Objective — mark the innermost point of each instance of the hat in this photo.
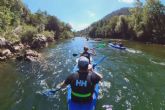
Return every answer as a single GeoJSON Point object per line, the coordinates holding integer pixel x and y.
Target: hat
{"type": "Point", "coordinates": [83, 62]}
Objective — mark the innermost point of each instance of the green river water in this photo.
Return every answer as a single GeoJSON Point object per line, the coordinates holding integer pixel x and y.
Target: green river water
{"type": "Point", "coordinates": [133, 79]}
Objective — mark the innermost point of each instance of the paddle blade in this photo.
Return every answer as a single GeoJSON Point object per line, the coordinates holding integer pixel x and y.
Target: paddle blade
{"type": "Point", "coordinates": [50, 92]}
{"type": "Point", "coordinates": [75, 54]}
{"type": "Point", "coordinates": [101, 60]}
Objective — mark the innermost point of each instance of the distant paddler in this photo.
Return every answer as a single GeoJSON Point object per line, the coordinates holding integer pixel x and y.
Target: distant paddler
{"type": "Point", "coordinates": [88, 54]}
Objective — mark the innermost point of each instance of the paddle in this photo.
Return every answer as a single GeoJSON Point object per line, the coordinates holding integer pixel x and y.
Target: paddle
{"type": "Point", "coordinates": [99, 61]}
{"type": "Point", "coordinates": [51, 92]}
{"type": "Point", "coordinates": [74, 54]}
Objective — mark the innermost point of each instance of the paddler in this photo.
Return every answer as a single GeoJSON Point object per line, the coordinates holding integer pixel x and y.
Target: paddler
{"type": "Point", "coordinates": [88, 54]}
{"type": "Point", "coordinates": [83, 82]}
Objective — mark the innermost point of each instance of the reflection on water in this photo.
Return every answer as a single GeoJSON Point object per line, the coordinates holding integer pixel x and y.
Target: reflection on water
{"type": "Point", "coordinates": [133, 79]}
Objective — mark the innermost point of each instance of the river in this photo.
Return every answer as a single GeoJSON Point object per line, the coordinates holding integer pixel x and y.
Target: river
{"type": "Point", "coordinates": [133, 79]}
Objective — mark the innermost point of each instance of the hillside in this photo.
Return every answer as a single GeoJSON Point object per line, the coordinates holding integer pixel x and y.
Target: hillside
{"type": "Point", "coordinates": [122, 11]}
{"type": "Point", "coordinates": [143, 22]}
{"type": "Point", "coordinates": [20, 29]}
{"type": "Point", "coordinates": [15, 16]}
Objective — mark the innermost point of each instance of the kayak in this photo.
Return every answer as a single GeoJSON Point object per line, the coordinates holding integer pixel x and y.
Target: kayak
{"type": "Point", "coordinates": [116, 46]}
{"type": "Point", "coordinates": [82, 106]}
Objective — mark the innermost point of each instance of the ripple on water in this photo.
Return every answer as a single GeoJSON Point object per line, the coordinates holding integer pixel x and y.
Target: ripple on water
{"type": "Point", "coordinates": [157, 63]}
{"type": "Point", "coordinates": [110, 74]}
{"type": "Point", "coordinates": [133, 50]}
{"type": "Point", "coordinates": [107, 107]}
{"type": "Point", "coordinates": [43, 84]}
{"type": "Point", "coordinates": [104, 89]}
{"type": "Point", "coordinates": [128, 105]}
{"type": "Point", "coordinates": [126, 79]}
{"type": "Point", "coordinates": [118, 97]}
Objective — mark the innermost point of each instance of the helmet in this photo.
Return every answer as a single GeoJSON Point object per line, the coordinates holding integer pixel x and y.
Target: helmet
{"type": "Point", "coordinates": [83, 62]}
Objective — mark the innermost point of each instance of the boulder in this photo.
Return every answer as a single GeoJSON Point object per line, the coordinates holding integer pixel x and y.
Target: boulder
{"type": "Point", "coordinates": [31, 59]}
{"type": "Point", "coordinates": [18, 47]}
{"type": "Point", "coordinates": [50, 39]}
{"type": "Point", "coordinates": [3, 58]}
{"type": "Point", "coordinates": [31, 55]}
{"type": "Point", "coordinates": [5, 52]}
{"type": "Point", "coordinates": [2, 42]}
{"type": "Point", "coordinates": [39, 41]}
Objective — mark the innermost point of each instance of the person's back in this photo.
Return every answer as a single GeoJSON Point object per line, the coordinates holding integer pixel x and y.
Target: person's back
{"type": "Point", "coordinates": [83, 82]}
{"type": "Point", "coordinates": [82, 85]}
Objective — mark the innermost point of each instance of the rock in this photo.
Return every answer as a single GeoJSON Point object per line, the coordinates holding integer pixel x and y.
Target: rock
{"type": "Point", "coordinates": [31, 59]}
{"type": "Point", "coordinates": [50, 39]}
{"type": "Point", "coordinates": [5, 52]}
{"type": "Point", "coordinates": [39, 42]}
{"type": "Point", "coordinates": [3, 58]}
{"type": "Point", "coordinates": [18, 47]}
{"type": "Point", "coordinates": [2, 42]}
{"type": "Point", "coordinates": [31, 55]}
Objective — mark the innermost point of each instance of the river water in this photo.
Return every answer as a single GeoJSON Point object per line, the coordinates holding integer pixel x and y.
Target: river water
{"type": "Point", "coordinates": [133, 79]}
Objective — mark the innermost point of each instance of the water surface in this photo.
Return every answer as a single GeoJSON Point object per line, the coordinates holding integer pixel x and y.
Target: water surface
{"type": "Point", "coordinates": [133, 79]}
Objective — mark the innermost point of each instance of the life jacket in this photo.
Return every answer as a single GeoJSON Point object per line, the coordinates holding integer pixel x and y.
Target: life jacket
{"type": "Point", "coordinates": [82, 87]}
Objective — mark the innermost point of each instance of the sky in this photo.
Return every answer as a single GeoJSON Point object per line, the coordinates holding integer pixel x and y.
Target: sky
{"type": "Point", "coordinates": [79, 13]}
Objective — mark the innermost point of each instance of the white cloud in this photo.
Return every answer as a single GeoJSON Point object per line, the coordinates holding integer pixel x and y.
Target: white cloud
{"type": "Point", "coordinates": [78, 26]}
{"type": "Point", "coordinates": [91, 14]}
{"type": "Point", "coordinates": [127, 1]}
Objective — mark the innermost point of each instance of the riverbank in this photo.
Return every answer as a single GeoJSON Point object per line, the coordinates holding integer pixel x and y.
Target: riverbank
{"type": "Point", "coordinates": [24, 50]}
{"type": "Point", "coordinates": [22, 30]}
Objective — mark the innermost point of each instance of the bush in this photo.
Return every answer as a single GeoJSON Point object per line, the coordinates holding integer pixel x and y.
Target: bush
{"type": "Point", "coordinates": [66, 34]}
{"type": "Point", "coordinates": [10, 36]}
{"type": "Point", "coordinates": [28, 34]}
{"type": "Point", "coordinates": [48, 34]}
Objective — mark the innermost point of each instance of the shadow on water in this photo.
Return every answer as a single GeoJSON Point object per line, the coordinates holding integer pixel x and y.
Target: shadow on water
{"type": "Point", "coordinates": [133, 80]}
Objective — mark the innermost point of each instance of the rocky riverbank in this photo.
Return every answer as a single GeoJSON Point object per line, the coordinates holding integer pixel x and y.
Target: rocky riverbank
{"type": "Point", "coordinates": [23, 51]}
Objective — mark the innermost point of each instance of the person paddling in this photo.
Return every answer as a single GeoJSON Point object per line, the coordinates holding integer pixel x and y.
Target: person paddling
{"type": "Point", "coordinates": [88, 54]}
{"type": "Point", "coordinates": [83, 82]}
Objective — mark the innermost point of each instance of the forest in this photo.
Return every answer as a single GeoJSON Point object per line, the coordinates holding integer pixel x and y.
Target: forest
{"type": "Point", "coordinates": [19, 24]}
{"type": "Point", "coordinates": [144, 22]}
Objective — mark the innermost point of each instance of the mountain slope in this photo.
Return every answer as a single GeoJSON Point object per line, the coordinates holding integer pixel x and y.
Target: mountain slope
{"type": "Point", "coordinates": [122, 11]}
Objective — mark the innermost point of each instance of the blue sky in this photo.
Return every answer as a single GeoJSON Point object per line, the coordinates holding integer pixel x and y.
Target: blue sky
{"type": "Point", "coordinates": [79, 13]}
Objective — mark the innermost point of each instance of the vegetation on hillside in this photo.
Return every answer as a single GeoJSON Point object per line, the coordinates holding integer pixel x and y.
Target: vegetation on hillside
{"type": "Point", "coordinates": [145, 22]}
{"type": "Point", "coordinates": [17, 23]}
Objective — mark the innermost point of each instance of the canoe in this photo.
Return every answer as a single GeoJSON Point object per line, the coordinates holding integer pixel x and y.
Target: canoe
{"type": "Point", "coordinates": [116, 46]}
{"type": "Point", "coordinates": [82, 106]}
